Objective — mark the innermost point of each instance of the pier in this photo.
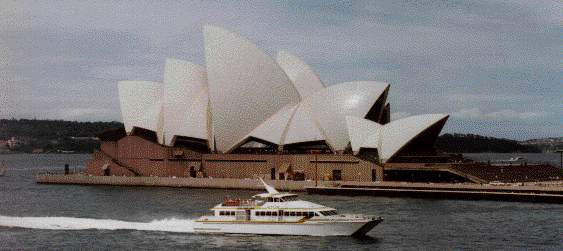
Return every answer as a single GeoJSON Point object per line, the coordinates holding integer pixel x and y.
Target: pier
{"type": "Point", "coordinates": [550, 192]}
{"type": "Point", "coordinates": [251, 184]}
{"type": "Point", "coordinates": [534, 192]}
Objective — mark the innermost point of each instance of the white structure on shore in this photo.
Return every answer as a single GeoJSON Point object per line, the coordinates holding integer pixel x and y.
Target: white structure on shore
{"type": "Point", "coordinates": [244, 99]}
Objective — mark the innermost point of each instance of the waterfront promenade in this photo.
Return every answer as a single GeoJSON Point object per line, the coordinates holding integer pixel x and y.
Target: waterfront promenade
{"type": "Point", "coordinates": [541, 192]}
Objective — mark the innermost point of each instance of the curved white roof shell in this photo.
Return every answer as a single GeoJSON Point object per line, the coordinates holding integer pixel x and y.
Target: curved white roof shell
{"type": "Point", "coordinates": [397, 134]}
{"type": "Point", "coordinates": [348, 99]}
{"type": "Point", "coordinates": [388, 139]}
{"type": "Point", "coordinates": [302, 126]}
{"type": "Point", "coordinates": [141, 104]}
{"type": "Point", "coordinates": [246, 86]}
{"type": "Point", "coordinates": [244, 94]}
{"type": "Point", "coordinates": [300, 73]}
{"type": "Point", "coordinates": [363, 133]}
{"type": "Point", "coordinates": [321, 115]}
{"type": "Point", "coordinates": [275, 127]}
{"type": "Point", "coordinates": [373, 141]}
{"type": "Point", "coordinates": [185, 106]}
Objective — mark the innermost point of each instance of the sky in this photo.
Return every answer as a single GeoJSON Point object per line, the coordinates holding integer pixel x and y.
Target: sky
{"type": "Point", "coordinates": [495, 66]}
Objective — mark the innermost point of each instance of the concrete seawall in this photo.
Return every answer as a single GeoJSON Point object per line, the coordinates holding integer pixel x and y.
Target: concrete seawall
{"type": "Point", "coordinates": [552, 193]}
{"type": "Point", "coordinates": [546, 194]}
{"type": "Point", "coordinates": [253, 184]}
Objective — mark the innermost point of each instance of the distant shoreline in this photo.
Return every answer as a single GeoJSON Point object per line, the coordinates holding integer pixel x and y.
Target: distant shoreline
{"type": "Point", "coordinates": [10, 153]}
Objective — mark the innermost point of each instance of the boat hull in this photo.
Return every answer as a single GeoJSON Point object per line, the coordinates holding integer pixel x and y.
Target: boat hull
{"type": "Point", "coordinates": [312, 227]}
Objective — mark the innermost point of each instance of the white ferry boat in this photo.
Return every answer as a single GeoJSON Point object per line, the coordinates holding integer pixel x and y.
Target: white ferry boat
{"type": "Point", "coordinates": [276, 213]}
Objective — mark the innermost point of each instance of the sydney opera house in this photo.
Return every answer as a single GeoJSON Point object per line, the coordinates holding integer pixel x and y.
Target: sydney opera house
{"type": "Point", "coordinates": [245, 114]}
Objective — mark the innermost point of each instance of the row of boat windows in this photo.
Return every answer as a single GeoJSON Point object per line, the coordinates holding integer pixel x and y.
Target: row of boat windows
{"type": "Point", "coordinates": [269, 213]}
{"type": "Point", "coordinates": [275, 213]}
{"type": "Point", "coordinates": [328, 213]}
{"type": "Point", "coordinates": [227, 213]}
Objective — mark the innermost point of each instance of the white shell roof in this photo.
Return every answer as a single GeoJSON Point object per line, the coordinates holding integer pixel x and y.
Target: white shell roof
{"type": "Point", "coordinates": [185, 104]}
{"type": "Point", "coordinates": [274, 128]}
{"type": "Point", "coordinates": [389, 139]}
{"type": "Point", "coordinates": [396, 134]}
{"type": "Point", "coordinates": [321, 115]}
{"type": "Point", "coordinates": [246, 86]}
{"type": "Point", "coordinates": [326, 110]}
{"type": "Point", "coordinates": [363, 133]}
{"type": "Point", "coordinates": [197, 118]}
{"type": "Point", "coordinates": [332, 104]}
{"type": "Point", "coordinates": [300, 73]}
{"type": "Point", "coordinates": [141, 103]}
{"type": "Point", "coordinates": [245, 93]}
{"type": "Point", "coordinates": [152, 119]}
{"type": "Point", "coordinates": [302, 127]}
{"type": "Point", "coordinates": [373, 140]}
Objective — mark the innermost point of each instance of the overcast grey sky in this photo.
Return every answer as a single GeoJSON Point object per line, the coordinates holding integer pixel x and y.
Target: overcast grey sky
{"type": "Point", "coordinates": [495, 66]}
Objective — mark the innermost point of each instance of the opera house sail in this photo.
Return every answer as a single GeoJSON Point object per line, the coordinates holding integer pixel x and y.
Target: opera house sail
{"type": "Point", "coordinates": [244, 112]}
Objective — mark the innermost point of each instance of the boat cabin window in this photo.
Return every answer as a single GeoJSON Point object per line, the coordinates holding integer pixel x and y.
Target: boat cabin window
{"type": "Point", "coordinates": [306, 214]}
{"type": "Point", "coordinates": [274, 199]}
{"type": "Point", "coordinates": [226, 213]}
{"type": "Point", "coordinates": [328, 213]}
{"type": "Point", "coordinates": [266, 213]}
{"type": "Point", "coordinates": [270, 199]}
{"type": "Point", "coordinates": [289, 198]}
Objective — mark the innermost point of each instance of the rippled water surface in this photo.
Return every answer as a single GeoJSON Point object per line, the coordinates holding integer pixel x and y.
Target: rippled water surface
{"type": "Point", "coordinates": [67, 217]}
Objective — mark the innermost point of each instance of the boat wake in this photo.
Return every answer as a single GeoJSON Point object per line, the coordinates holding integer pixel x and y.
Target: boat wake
{"type": "Point", "coordinates": [68, 223]}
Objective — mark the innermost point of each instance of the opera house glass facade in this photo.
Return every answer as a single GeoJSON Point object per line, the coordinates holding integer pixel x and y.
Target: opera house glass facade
{"type": "Point", "coordinates": [246, 113]}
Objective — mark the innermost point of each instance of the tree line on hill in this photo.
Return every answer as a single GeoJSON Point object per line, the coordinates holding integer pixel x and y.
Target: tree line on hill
{"type": "Point", "coordinates": [54, 135]}
{"type": "Point", "coordinates": [470, 143]}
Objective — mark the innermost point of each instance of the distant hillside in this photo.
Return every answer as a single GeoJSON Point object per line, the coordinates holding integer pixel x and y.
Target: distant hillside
{"type": "Point", "coordinates": [52, 129]}
{"type": "Point", "coordinates": [470, 143]}
{"type": "Point", "coordinates": [545, 144]}
{"type": "Point", "coordinates": [44, 133]}
{"type": "Point", "coordinates": [52, 135]}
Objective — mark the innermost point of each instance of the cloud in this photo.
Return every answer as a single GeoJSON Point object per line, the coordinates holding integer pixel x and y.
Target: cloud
{"type": "Point", "coordinates": [544, 11]}
{"type": "Point", "coordinates": [501, 57]}
{"type": "Point", "coordinates": [467, 113]}
{"type": "Point", "coordinates": [88, 114]}
{"type": "Point", "coordinates": [79, 112]}
{"type": "Point", "coordinates": [473, 97]}
{"type": "Point", "coordinates": [149, 72]}
{"type": "Point", "coordinates": [511, 114]}
{"type": "Point", "coordinates": [507, 114]}
{"type": "Point", "coordinates": [399, 115]}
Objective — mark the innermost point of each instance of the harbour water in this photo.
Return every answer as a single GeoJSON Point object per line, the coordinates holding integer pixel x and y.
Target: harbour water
{"type": "Point", "coordinates": [66, 217]}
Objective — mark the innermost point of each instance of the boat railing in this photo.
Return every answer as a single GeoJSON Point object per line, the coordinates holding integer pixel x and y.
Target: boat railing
{"type": "Point", "coordinates": [360, 216]}
{"type": "Point", "coordinates": [248, 204]}
{"type": "Point", "coordinates": [240, 203]}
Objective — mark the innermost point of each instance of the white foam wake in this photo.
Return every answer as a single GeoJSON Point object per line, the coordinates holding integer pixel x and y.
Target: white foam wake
{"type": "Point", "coordinates": [67, 223]}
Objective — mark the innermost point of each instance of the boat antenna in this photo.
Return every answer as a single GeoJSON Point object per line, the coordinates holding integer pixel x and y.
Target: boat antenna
{"type": "Point", "coordinates": [270, 189]}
